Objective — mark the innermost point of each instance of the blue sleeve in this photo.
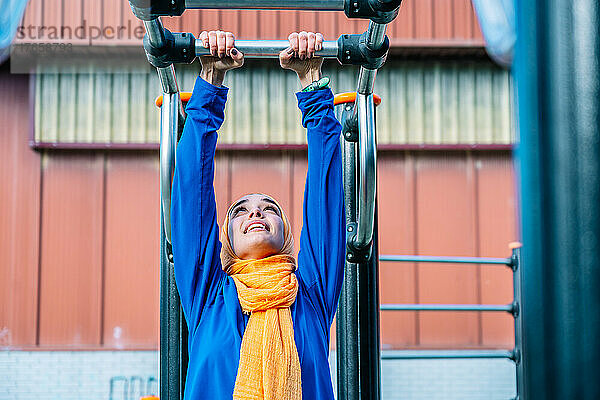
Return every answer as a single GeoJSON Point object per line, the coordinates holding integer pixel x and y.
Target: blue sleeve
{"type": "Point", "coordinates": [323, 240]}
{"type": "Point", "coordinates": [194, 229]}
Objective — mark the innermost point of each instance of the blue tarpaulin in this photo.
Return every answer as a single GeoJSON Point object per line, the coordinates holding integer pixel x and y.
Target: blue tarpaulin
{"type": "Point", "coordinates": [497, 21]}
{"type": "Point", "coordinates": [11, 13]}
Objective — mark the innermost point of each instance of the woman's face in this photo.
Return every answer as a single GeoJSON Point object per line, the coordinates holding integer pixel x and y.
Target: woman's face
{"type": "Point", "coordinates": [256, 228]}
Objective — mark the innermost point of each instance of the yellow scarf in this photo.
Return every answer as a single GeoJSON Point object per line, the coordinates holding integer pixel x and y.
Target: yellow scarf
{"type": "Point", "coordinates": [269, 366]}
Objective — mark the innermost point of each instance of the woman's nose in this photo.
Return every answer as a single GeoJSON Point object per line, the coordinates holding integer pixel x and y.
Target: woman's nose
{"type": "Point", "coordinates": [255, 213]}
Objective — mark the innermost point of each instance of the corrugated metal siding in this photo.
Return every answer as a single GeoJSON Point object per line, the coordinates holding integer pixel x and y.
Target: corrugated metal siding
{"type": "Point", "coordinates": [420, 22]}
{"type": "Point", "coordinates": [99, 234]}
{"type": "Point", "coordinates": [443, 102]}
{"type": "Point", "coordinates": [76, 227]}
{"type": "Point", "coordinates": [94, 104]}
{"type": "Point", "coordinates": [71, 274]}
{"type": "Point", "coordinates": [19, 215]}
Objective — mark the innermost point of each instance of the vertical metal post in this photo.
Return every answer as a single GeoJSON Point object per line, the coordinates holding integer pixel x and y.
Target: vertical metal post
{"type": "Point", "coordinates": [368, 322]}
{"type": "Point", "coordinates": [358, 342]}
{"type": "Point", "coordinates": [557, 74]}
{"type": "Point", "coordinates": [173, 329]}
{"type": "Point", "coordinates": [347, 314]}
{"type": "Point", "coordinates": [517, 271]}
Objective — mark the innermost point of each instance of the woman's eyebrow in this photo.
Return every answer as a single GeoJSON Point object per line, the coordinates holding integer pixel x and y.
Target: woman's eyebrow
{"type": "Point", "coordinates": [238, 203]}
{"type": "Point", "coordinates": [267, 200]}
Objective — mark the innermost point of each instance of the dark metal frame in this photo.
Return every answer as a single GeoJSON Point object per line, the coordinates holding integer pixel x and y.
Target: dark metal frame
{"type": "Point", "coordinates": [380, 11]}
{"type": "Point", "coordinates": [514, 263]}
{"type": "Point", "coordinates": [357, 327]}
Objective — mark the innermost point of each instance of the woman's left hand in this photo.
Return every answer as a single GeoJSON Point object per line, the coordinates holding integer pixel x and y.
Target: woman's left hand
{"type": "Point", "coordinates": [300, 56]}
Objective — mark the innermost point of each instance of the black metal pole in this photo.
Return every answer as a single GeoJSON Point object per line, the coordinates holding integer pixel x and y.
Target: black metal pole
{"type": "Point", "coordinates": [518, 302]}
{"type": "Point", "coordinates": [558, 94]}
{"type": "Point", "coordinates": [173, 331]}
{"type": "Point", "coordinates": [368, 323]}
{"type": "Point", "coordinates": [347, 314]}
{"type": "Point", "coordinates": [358, 312]}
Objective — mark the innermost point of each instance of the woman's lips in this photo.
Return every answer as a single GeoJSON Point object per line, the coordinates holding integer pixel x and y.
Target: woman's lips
{"type": "Point", "coordinates": [256, 227]}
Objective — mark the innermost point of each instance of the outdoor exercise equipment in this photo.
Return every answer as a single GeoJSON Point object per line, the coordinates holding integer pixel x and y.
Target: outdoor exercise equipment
{"type": "Point", "coordinates": [368, 50]}
{"type": "Point", "coordinates": [357, 318]}
{"type": "Point", "coordinates": [514, 308]}
{"type": "Point", "coordinates": [358, 355]}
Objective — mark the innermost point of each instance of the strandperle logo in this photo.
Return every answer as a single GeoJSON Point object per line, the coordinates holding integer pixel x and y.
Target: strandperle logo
{"type": "Point", "coordinates": [82, 32]}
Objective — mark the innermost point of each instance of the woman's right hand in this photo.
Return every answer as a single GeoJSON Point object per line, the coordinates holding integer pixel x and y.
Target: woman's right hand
{"type": "Point", "coordinates": [224, 56]}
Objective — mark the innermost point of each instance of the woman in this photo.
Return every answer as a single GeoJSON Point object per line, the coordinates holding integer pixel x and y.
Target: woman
{"type": "Point", "coordinates": [258, 322]}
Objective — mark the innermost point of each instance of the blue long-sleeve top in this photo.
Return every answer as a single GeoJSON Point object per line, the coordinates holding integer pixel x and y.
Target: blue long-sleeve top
{"type": "Point", "coordinates": [208, 295]}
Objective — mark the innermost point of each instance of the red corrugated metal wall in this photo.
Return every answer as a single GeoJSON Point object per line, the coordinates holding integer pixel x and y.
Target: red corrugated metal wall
{"type": "Point", "coordinates": [79, 235]}
{"type": "Point", "coordinates": [19, 215]}
{"type": "Point", "coordinates": [420, 22]}
{"type": "Point", "coordinates": [79, 231]}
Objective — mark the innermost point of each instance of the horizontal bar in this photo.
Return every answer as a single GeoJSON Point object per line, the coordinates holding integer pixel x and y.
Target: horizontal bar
{"type": "Point", "coordinates": [447, 307]}
{"type": "Point", "coordinates": [453, 260]}
{"type": "Point", "coordinates": [269, 48]}
{"type": "Point", "coordinates": [323, 5]}
{"type": "Point", "coordinates": [445, 354]}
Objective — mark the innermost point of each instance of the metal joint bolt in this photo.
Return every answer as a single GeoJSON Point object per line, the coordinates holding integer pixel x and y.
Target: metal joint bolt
{"type": "Point", "coordinates": [515, 309]}
{"type": "Point", "coordinates": [516, 356]}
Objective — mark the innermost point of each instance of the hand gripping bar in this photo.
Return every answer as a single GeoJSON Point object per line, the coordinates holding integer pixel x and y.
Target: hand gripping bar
{"type": "Point", "coordinates": [164, 48]}
{"type": "Point", "coordinates": [269, 48]}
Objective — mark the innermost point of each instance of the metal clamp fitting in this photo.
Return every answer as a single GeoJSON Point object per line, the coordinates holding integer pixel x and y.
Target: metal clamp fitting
{"type": "Point", "coordinates": [147, 10]}
{"type": "Point", "coordinates": [380, 11]}
{"type": "Point", "coordinates": [349, 122]}
{"type": "Point", "coordinates": [353, 49]}
{"type": "Point", "coordinates": [177, 48]}
{"type": "Point", "coordinates": [353, 254]}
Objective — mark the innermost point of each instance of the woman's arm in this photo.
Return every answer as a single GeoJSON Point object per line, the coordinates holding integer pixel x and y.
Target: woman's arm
{"type": "Point", "coordinates": [194, 229]}
{"type": "Point", "coordinates": [322, 241]}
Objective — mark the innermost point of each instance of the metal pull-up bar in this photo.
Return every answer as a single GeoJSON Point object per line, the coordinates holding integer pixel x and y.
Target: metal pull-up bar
{"type": "Point", "coordinates": [381, 11]}
{"type": "Point", "coordinates": [269, 48]}
{"type": "Point", "coordinates": [321, 5]}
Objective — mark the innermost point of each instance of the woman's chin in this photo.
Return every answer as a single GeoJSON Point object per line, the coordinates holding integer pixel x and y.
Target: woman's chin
{"type": "Point", "coordinates": [257, 244]}
{"type": "Point", "coordinates": [259, 248]}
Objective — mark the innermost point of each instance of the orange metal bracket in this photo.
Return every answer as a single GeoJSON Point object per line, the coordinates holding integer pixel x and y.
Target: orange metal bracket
{"type": "Point", "coordinates": [350, 97]}
{"type": "Point", "coordinates": [339, 98]}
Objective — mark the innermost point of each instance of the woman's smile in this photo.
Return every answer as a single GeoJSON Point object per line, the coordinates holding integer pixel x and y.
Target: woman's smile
{"type": "Point", "coordinates": [256, 226]}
